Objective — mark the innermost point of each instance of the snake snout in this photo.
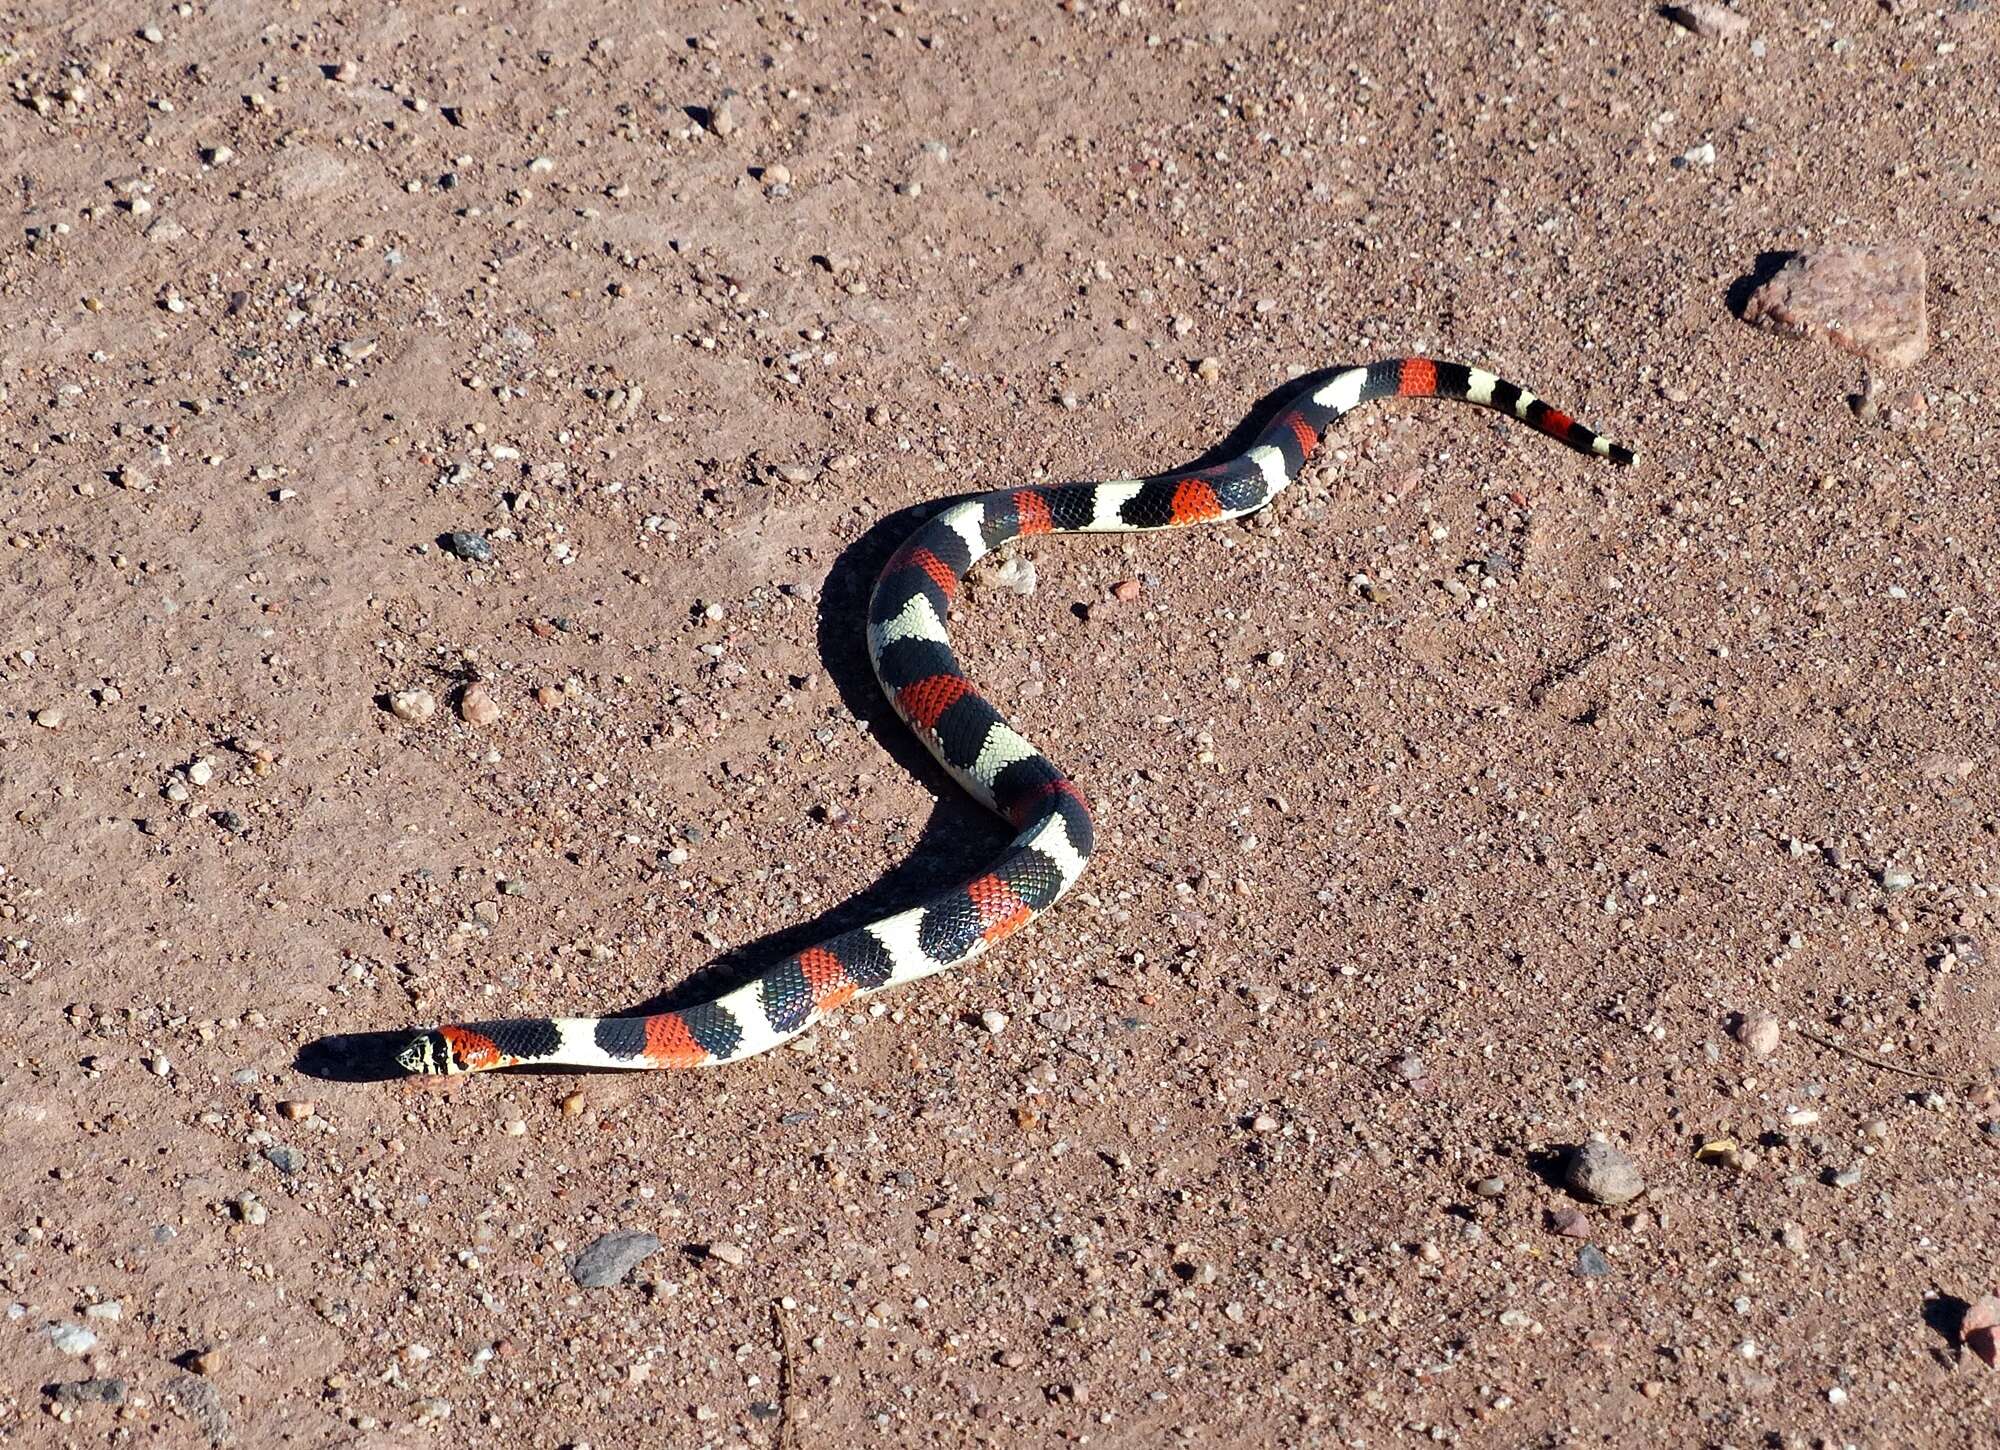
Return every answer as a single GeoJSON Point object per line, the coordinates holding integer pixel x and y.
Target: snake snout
{"type": "Point", "coordinates": [427, 1054]}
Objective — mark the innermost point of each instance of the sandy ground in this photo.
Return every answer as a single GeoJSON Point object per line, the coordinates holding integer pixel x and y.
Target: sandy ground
{"type": "Point", "coordinates": [1269, 1151]}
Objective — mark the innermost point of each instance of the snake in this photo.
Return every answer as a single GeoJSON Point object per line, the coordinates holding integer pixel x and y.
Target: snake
{"type": "Point", "coordinates": [910, 649]}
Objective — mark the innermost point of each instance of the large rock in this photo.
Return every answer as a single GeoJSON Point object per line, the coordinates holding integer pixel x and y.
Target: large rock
{"type": "Point", "coordinates": [1868, 300]}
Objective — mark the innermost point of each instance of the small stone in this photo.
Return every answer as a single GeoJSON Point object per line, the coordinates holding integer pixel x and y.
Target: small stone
{"type": "Point", "coordinates": [548, 697]}
{"type": "Point", "coordinates": [1600, 1173]}
{"type": "Point", "coordinates": [1846, 1177]}
{"type": "Point", "coordinates": [200, 772]}
{"type": "Point", "coordinates": [572, 1105]}
{"type": "Point", "coordinates": [50, 719]}
{"type": "Point", "coordinates": [88, 1392]}
{"type": "Point", "coordinates": [1895, 878]}
{"type": "Point", "coordinates": [203, 1405]}
{"type": "Point", "coordinates": [251, 1210]}
{"type": "Point", "coordinates": [1264, 1123]}
{"type": "Point", "coordinates": [413, 705]}
{"type": "Point", "coordinates": [723, 119]}
{"type": "Point", "coordinates": [1758, 1032]}
{"type": "Point", "coordinates": [286, 1160]}
{"type": "Point", "coordinates": [1866, 300]}
{"type": "Point", "coordinates": [1571, 1223]}
{"type": "Point", "coordinates": [993, 1020]}
{"type": "Point", "coordinates": [727, 1253]}
{"type": "Point", "coordinates": [72, 1339]}
{"type": "Point", "coordinates": [477, 706]}
{"type": "Point", "coordinates": [1591, 1263]}
{"type": "Point", "coordinates": [612, 1256]}
{"type": "Point", "coordinates": [1409, 1067]}
{"type": "Point", "coordinates": [110, 1309]}
{"type": "Point", "coordinates": [1125, 590]}
{"type": "Point", "coordinates": [294, 1110]}
{"type": "Point", "coordinates": [160, 1065]}
{"type": "Point", "coordinates": [1709, 21]}
{"type": "Point", "coordinates": [1489, 1187]}
{"type": "Point", "coordinates": [1793, 1238]}
{"type": "Point", "coordinates": [1208, 369]}
{"type": "Point", "coordinates": [469, 546]}
{"type": "Point", "coordinates": [1979, 1331]}
{"type": "Point", "coordinates": [777, 175]}
{"type": "Point", "coordinates": [208, 1363]}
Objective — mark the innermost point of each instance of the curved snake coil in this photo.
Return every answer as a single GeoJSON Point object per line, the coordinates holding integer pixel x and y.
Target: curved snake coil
{"type": "Point", "coordinates": [912, 655]}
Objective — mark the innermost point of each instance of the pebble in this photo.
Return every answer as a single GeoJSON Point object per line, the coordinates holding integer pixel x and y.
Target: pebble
{"type": "Point", "coordinates": [294, 1110]}
{"type": "Point", "coordinates": [285, 1159]}
{"type": "Point", "coordinates": [1895, 878]}
{"type": "Point", "coordinates": [612, 1256]}
{"type": "Point", "coordinates": [208, 1363]}
{"type": "Point", "coordinates": [1208, 369]}
{"type": "Point", "coordinates": [160, 1065]}
{"type": "Point", "coordinates": [72, 1338]}
{"type": "Point", "coordinates": [413, 705]}
{"type": "Point", "coordinates": [88, 1392]}
{"type": "Point", "coordinates": [1017, 575]}
{"type": "Point", "coordinates": [777, 175]}
{"type": "Point", "coordinates": [727, 1253]}
{"type": "Point", "coordinates": [200, 772]}
{"type": "Point", "coordinates": [572, 1105]}
{"type": "Point", "coordinates": [1793, 1238]}
{"type": "Point", "coordinates": [251, 1210]}
{"type": "Point", "coordinates": [723, 119]}
{"type": "Point", "coordinates": [50, 719]}
{"type": "Point", "coordinates": [1264, 1123]}
{"type": "Point", "coordinates": [203, 1405]}
{"type": "Point", "coordinates": [1600, 1173]}
{"type": "Point", "coordinates": [471, 547]}
{"type": "Point", "coordinates": [1125, 590]}
{"type": "Point", "coordinates": [477, 706]}
{"type": "Point", "coordinates": [1590, 1263]}
{"type": "Point", "coordinates": [1866, 300]}
{"type": "Point", "coordinates": [548, 697]}
{"type": "Point", "coordinates": [1709, 21]}
{"type": "Point", "coordinates": [1489, 1187]}
{"type": "Point", "coordinates": [1571, 1223]}
{"type": "Point", "coordinates": [993, 1021]}
{"type": "Point", "coordinates": [1979, 1331]}
{"type": "Point", "coordinates": [1758, 1032]}
{"type": "Point", "coordinates": [1847, 1177]}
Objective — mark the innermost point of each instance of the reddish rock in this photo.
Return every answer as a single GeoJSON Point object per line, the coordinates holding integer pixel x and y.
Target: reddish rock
{"type": "Point", "coordinates": [1868, 300]}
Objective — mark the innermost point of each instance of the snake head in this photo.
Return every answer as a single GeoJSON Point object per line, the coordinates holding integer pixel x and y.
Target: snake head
{"type": "Point", "coordinates": [428, 1054]}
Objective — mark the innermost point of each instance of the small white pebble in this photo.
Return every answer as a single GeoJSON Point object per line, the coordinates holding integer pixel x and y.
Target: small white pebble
{"type": "Point", "coordinates": [993, 1020]}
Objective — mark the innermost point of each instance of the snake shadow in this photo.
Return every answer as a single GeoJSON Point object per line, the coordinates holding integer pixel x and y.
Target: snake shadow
{"type": "Point", "coordinates": [957, 841]}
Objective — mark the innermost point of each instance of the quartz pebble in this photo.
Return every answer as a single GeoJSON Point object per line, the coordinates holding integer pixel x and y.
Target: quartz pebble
{"type": "Point", "coordinates": [993, 1021]}
{"type": "Point", "coordinates": [413, 705]}
{"type": "Point", "coordinates": [477, 706]}
{"type": "Point", "coordinates": [727, 1253]}
{"type": "Point", "coordinates": [1758, 1032]}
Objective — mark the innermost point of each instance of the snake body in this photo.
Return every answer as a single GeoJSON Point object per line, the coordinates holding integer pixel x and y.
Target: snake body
{"type": "Point", "coordinates": [913, 660]}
